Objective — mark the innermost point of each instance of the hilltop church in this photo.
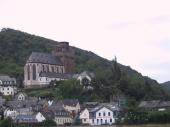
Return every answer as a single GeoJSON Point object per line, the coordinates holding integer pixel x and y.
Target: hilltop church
{"type": "Point", "coordinates": [41, 68]}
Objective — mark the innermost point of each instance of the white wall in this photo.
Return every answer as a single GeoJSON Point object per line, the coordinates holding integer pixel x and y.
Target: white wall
{"type": "Point", "coordinates": [103, 119]}
{"type": "Point", "coordinates": [84, 116]}
{"type": "Point", "coordinates": [9, 90]}
{"type": "Point", "coordinates": [40, 117]}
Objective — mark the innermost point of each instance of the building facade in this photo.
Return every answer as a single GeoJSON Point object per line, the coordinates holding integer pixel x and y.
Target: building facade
{"type": "Point", "coordinates": [41, 68]}
{"type": "Point", "coordinates": [7, 85]}
{"type": "Point", "coordinates": [103, 115]}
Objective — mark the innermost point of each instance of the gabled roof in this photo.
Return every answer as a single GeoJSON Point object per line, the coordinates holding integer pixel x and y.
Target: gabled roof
{"type": "Point", "coordinates": [84, 74]}
{"type": "Point", "coordinates": [16, 96]}
{"type": "Point", "coordinates": [46, 58]}
{"type": "Point", "coordinates": [108, 106]}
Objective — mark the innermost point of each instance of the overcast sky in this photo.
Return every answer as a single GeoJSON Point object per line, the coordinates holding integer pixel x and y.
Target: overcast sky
{"type": "Point", "coordinates": [136, 31]}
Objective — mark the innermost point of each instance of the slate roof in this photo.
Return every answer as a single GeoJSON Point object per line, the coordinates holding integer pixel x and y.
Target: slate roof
{"type": "Point", "coordinates": [55, 75]}
{"type": "Point", "coordinates": [6, 78]}
{"type": "Point", "coordinates": [15, 104]}
{"type": "Point", "coordinates": [100, 107]}
{"type": "Point", "coordinates": [46, 58]}
{"type": "Point", "coordinates": [149, 104]}
{"type": "Point", "coordinates": [26, 119]}
{"type": "Point", "coordinates": [154, 104]}
{"type": "Point", "coordinates": [70, 102]}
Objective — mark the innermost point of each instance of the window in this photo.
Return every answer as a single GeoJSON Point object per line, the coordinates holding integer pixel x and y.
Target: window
{"type": "Point", "coordinates": [104, 114]}
{"type": "Point", "coordinates": [34, 72]}
{"type": "Point", "coordinates": [7, 88]}
{"type": "Point", "coordinates": [93, 120]}
{"type": "Point", "coordinates": [99, 114]}
{"type": "Point", "coordinates": [108, 113]}
{"type": "Point", "coordinates": [97, 121]}
{"type": "Point", "coordinates": [28, 72]}
{"type": "Point", "coordinates": [52, 68]}
{"type": "Point", "coordinates": [111, 120]}
{"type": "Point", "coordinates": [101, 121]}
{"type": "Point", "coordinates": [43, 68]}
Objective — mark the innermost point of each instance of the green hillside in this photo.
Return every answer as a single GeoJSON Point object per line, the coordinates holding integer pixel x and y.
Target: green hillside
{"type": "Point", "coordinates": [166, 85]}
{"type": "Point", "coordinates": [16, 46]}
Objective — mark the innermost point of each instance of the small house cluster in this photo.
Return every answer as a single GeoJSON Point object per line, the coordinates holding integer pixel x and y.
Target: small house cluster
{"type": "Point", "coordinates": [23, 109]}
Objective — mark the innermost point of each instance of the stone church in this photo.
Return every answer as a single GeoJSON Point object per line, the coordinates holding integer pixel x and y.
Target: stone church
{"type": "Point", "coordinates": [41, 68]}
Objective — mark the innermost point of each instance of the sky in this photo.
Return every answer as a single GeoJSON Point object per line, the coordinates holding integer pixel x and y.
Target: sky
{"type": "Point", "coordinates": [137, 32]}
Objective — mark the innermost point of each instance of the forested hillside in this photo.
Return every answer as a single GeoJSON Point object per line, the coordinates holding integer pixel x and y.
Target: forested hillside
{"type": "Point", "coordinates": [16, 46]}
{"type": "Point", "coordinates": [166, 85]}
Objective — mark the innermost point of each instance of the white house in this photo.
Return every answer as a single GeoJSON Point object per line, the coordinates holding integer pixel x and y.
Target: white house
{"type": "Point", "coordinates": [7, 85]}
{"type": "Point", "coordinates": [84, 116]}
{"type": "Point", "coordinates": [21, 96]}
{"type": "Point", "coordinates": [40, 117]}
{"type": "Point", "coordinates": [83, 75]}
{"type": "Point", "coordinates": [103, 115]}
{"type": "Point", "coordinates": [8, 90]}
{"type": "Point", "coordinates": [10, 112]}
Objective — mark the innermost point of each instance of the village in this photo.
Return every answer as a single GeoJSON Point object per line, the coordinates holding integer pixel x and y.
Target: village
{"type": "Point", "coordinates": [39, 71]}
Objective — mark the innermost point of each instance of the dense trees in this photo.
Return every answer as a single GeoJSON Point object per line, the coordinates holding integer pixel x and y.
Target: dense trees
{"type": "Point", "coordinates": [112, 79]}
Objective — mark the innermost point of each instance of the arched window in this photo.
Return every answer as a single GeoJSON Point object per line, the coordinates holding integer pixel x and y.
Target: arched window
{"type": "Point", "coordinates": [108, 113]}
{"type": "Point", "coordinates": [43, 68]}
{"type": "Point", "coordinates": [52, 68]}
{"type": "Point", "coordinates": [28, 72]}
{"type": "Point", "coordinates": [34, 72]}
{"type": "Point", "coordinates": [47, 68]}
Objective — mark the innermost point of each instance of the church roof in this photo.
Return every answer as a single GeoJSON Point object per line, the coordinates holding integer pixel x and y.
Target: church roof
{"type": "Point", "coordinates": [46, 58]}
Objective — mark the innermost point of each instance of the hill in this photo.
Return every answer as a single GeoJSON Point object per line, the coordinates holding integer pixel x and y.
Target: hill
{"type": "Point", "coordinates": [166, 85]}
{"type": "Point", "coordinates": [16, 46]}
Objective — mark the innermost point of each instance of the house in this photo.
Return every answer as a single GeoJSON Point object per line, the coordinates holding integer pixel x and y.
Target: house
{"type": "Point", "coordinates": [84, 116]}
{"type": "Point", "coordinates": [21, 96]}
{"type": "Point", "coordinates": [103, 115]}
{"type": "Point", "coordinates": [39, 116]}
{"type": "Point", "coordinates": [10, 112]}
{"type": "Point", "coordinates": [7, 85]}
{"type": "Point", "coordinates": [72, 106]}
{"type": "Point", "coordinates": [42, 68]}
{"type": "Point", "coordinates": [155, 105]}
{"type": "Point", "coordinates": [14, 112]}
{"type": "Point", "coordinates": [62, 117]}
{"type": "Point", "coordinates": [36, 118]}
{"type": "Point", "coordinates": [85, 77]}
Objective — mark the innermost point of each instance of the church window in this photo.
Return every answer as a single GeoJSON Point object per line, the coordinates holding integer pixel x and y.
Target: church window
{"type": "Point", "coordinates": [57, 69]}
{"type": "Point", "coordinates": [28, 71]}
{"type": "Point", "coordinates": [52, 68]}
{"type": "Point", "coordinates": [47, 68]}
{"type": "Point", "coordinates": [34, 72]}
{"type": "Point", "coordinates": [43, 68]}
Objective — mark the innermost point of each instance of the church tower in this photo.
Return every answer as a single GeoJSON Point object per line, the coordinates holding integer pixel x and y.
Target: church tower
{"type": "Point", "coordinates": [66, 55]}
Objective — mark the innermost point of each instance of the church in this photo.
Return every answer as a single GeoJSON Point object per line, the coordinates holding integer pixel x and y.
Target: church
{"type": "Point", "coordinates": [42, 68]}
